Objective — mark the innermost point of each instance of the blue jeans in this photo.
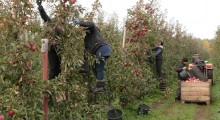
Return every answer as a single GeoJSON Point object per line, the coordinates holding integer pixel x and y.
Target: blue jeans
{"type": "Point", "coordinates": [102, 55]}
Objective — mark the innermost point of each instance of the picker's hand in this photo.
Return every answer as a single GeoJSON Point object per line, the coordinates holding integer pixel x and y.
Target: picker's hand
{"type": "Point", "coordinates": [149, 56]}
{"type": "Point", "coordinates": [39, 2]}
{"type": "Point", "coordinates": [184, 68]}
{"type": "Point", "coordinates": [75, 20]}
{"type": "Point", "coordinates": [148, 59]}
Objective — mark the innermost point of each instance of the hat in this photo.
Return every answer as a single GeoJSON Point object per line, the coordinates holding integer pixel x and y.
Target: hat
{"type": "Point", "coordinates": [184, 60]}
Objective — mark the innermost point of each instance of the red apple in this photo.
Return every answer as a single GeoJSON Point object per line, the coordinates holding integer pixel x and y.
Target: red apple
{"type": "Point", "coordinates": [126, 64]}
{"type": "Point", "coordinates": [138, 17]}
{"type": "Point", "coordinates": [145, 28]}
{"type": "Point", "coordinates": [72, 2]}
{"type": "Point", "coordinates": [11, 113]}
{"type": "Point", "coordinates": [152, 12]}
{"type": "Point", "coordinates": [64, 1]}
{"type": "Point", "coordinates": [139, 31]}
{"type": "Point", "coordinates": [2, 117]}
{"type": "Point", "coordinates": [134, 27]}
{"type": "Point", "coordinates": [137, 74]}
{"type": "Point", "coordinates": [147, 7]}
{"type": "Point", "coordinates": [33, 47]}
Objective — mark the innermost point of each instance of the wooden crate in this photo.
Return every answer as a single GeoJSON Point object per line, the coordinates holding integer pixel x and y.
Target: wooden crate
{"type": "Point", "coordinates": [210, 81]}
{"type": "Point", "coordinates": [196, 92]}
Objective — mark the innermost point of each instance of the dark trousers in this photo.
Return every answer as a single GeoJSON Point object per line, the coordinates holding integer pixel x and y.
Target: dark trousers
{"type": "Point", "coordinates": [102, 54]}
{"type": "Point", "coordinates": [54, 64]}
{"type": "Point", "coordinates": [178, 91]}
{"type": "Point", "coordinates": [99, 68]}
{"type": "Point", "coordinates": [158, 66]}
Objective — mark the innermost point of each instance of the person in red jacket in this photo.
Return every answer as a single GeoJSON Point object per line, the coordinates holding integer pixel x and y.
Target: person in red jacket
{"type": "Point", "coordinates": [95, 44]}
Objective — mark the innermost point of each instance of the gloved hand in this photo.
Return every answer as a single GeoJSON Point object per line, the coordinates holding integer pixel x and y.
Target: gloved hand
{"type": "Point", "coordinates": [148, 59]}
{"type": "Point", "coordinates": [184, 68]}
{"type": "Point", "coordinates": [149, 56]}
{"type": "Point", "coordinates": [76, 20]}
{"type": "Point", "coordinates": [39, 2]}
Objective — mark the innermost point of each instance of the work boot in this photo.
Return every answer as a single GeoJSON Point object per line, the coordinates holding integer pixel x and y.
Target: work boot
{"type": "Point", "coordinates": [100, 86]}
{"type": "Point", "coordinates": [159, 78]}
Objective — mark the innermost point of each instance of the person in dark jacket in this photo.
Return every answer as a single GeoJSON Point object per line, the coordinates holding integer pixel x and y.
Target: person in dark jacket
{"type": "Point", "coordinates": [196, 58]}
{"type": "Point", "coordinates": [158, 53]}
{"type": "Point", "coordinates": [96, 45]}
{"type": "Point", "coordinates": [182, 66]}
{"type": "Point", "coordinates": [53, 56]}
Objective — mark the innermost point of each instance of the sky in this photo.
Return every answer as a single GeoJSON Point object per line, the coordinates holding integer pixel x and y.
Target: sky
{"type": "Point", "coordinates": [199, 17]}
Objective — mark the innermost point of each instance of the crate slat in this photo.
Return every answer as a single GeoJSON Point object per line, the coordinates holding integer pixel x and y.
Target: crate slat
{"type": "Point", "coordinates": [195, 89]}
{"type": "Point", "coordinates": [195, 98]}
{"type": "Point", "coordinates": [204, 93]}
{"type": "Point", "coordinates": [194, 84]}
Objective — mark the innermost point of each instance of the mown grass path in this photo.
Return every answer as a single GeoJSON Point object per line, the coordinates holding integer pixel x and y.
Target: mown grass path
{"type": "Point", "coordinates": [165, 108]}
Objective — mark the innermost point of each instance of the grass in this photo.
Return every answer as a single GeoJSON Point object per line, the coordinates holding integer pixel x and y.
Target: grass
{"type": "Point", "coordinates": [165, 108]}
{"type": "Point", "coordinates": [215, 105]}
{"type": "Point", "coordinates": [169, 109]}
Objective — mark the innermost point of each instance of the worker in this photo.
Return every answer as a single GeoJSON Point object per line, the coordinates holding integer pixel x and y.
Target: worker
{"type": "Point", "coordinates": [54, 57]}
{"type": "Point", "coordinates": [196, 58]}
{"type": "Point", "coordinates": [158, 53]}
{"type": "Point", "coordinates": [182, 66]}
{"type": "Point", "coordinates": [96, 45]}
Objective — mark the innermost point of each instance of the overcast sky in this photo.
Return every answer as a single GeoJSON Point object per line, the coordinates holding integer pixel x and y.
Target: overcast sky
{"type": "Point", "coordinates": [199, 17]}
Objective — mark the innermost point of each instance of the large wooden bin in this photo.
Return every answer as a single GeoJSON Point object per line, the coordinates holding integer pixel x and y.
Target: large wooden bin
{"type": "Point", "coordinates": [196, 92]}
